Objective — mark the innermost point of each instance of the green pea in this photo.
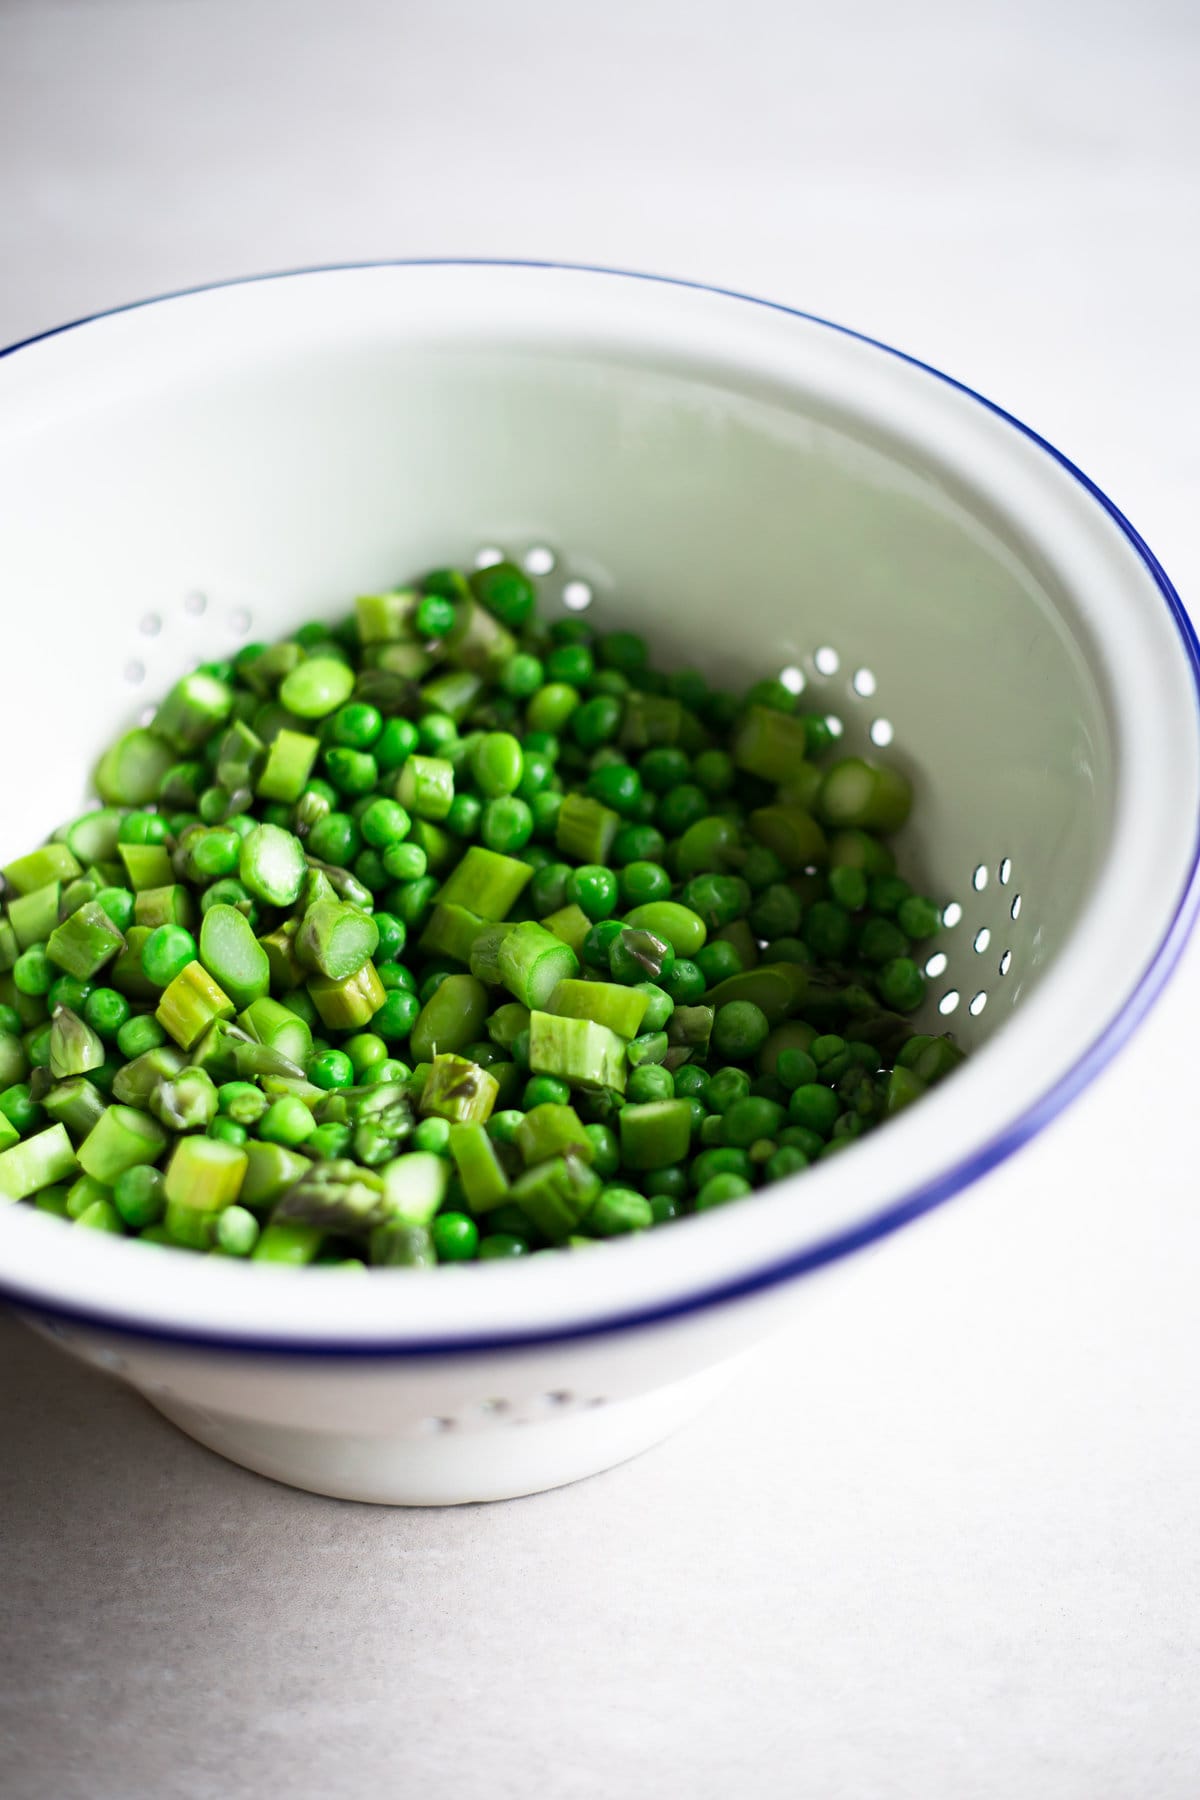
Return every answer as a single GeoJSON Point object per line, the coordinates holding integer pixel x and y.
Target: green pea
{"type": "Point", "coordinates": [551, 707]}
{"type": "Point", "coordinates": [740, 1029]}
{"type": "Point", "coordinates": [497, 764]}
{"type": "Point", "coordinates": [506, 825]}
{"type": "Point", "coordinates": [682, 928]}
{"type": "Point", "coordinates": [317, 687]}
{"type": "Point", "coordinates": [356, 725]}
{"type": "Point", "coordinates": [594, 889]}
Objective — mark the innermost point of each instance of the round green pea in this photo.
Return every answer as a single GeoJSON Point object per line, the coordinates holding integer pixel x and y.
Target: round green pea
{"type": "Point", "coordinates": [740, 1029]}
{"type": "Point", "coordinates": [118, 903]}
{"type": "Point", "coordinates": [331, 1069]}
{"type": "Point", "coordinates": [682, 928]}
{"type": "Point", "coordinates": [330, 1141]}
{"type": "Point", "coordinates": [166, 953]}
{"type": "Point", "coordinates": [644, 881]}
{"type": "Point", "coordinates": [405, 862]}
{"type": "Point", "coordinates": [551, 707]}
{"type": "Point", "coordinates": [718, 1190]}
{"type": "Point", "coordinates": [432, 1134]}
{"type": "Point", "coordinates": [33, 973]}
{"type": "Point", "coordinates": [364, 1050]}
{"type": "Point", "coordinates": [138, 1196]}
{"type": "Point", "coordinates": [500, 1246]}
{"type": "Point", "coordinates": [750, 1119]}
{"type": "Point", "coordinates": [398, 1014]}
{"type": "Point", "coordinates": [685, 983]}
{"type": "Point", "coordinates": [594, 889]}
{"type": "Point", "coordinates": [356, 725]}
{"type": "Point", "coordinates": [228, 1131]}
{"type": "Point", "coordinates": [317, 687]}
{"type": "Point", "coordinates": [237, 1231]}
{"type": "Point", "coordinates": [649, 1081]}
{"type": "Point", "coordinates": [455, 1237]}
{"type": "Point", "coordinates": [287, 1121]}
{"type": "Point", "coordinates": [497, 764]}
{"type": "Point", "coordinates": [106, 1011]}
{"type": "Point", "coordinates": [384, 822]}
{"type": "Point", "coordinates": [522, 675]}
{"type": "Point", "coordinates": [545, 1090]}
{"type": "Point", "coordinates": [506, 825]}
{"type": "Point", "coordinates": [814, 1107]}
{"type": "Point", "coordinates": [435, 616]}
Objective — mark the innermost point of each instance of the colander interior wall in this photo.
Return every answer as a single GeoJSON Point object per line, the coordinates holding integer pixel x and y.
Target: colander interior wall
{"type": "Point", "coordinates": [748, 526]}
{"type": "Point", "coordinates": [756, 490]}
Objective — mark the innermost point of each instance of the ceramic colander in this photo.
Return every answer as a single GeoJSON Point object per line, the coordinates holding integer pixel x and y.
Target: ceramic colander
{"type": "Point", "coordinates": [760, 493]}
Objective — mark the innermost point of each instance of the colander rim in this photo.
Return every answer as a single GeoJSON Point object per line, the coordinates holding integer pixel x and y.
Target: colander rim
{"type": "Point", "coordinates": [918, 1200]}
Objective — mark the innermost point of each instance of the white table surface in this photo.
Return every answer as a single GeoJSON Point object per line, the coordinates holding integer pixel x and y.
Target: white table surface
{"type": "Point", "coordinates": [944, 1540]}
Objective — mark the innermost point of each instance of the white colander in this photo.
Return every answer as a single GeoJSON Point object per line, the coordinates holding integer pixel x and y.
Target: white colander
{"type": "Point", "coordinates": [759, 493]}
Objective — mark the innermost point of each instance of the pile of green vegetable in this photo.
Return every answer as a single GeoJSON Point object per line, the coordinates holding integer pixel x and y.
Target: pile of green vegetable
{"type": "Point", "coordinates": [446, 933]}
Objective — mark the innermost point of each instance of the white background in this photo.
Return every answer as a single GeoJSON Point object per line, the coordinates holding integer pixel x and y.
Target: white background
{"type": "Point", "coordinates": [943, 1540]}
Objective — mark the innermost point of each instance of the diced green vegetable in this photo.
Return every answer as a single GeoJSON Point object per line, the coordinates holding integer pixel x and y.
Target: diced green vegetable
{"type": "Point", "coordinates": [622, 1009]}
{"type": "Point", "coordinates": [578, 1051]}
{"type": "Point", "coordinates": [459, 1090]}
{"type": "Point", "coordinates": [442, 934]}
{"type": "Point", "coordinates": [37, 1162]}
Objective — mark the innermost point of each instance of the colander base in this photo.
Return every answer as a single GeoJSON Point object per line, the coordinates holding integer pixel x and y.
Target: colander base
{"type": "Point", "coordinates": [452, 1469]}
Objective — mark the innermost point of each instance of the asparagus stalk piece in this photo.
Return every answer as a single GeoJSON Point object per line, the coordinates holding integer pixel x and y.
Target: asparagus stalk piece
{"type": "Point", "coordinates": [84, 942]}
{"type": "Point", "coordinates": [290, 759]}
{"type": "Point", "coordinates": [480, 1170]}
{"type": "Point", "coordinates": [585, 829]}
{"type": "Point", "coordinates": [793, 834]}
{"type": "Point", "coordinates": [532, 962]}
{"type": "Point", "coordinates": [275, 1026]}
{"type": "Point", "coordinates": [622, 1009]}
{"type": "Point", "coordinates": [397, 1245]}
{"type": "Point", "coordinates": [190, 1004]}
{"type": "Point", "coordinates": [335, 939]}
{"type": "Point", "coordinates": [131, 771]}
{"type": "Point", "coordinates": [146, 865]}
{"type": "Point", "coordinates": [556, 1195]}
{"type": "Point", "coordinates": [186, 1101]}
{"type": "Point", "coordinates": [233, 955]}
{"type": "Point", "coordinates": [551, 1130]}
{"type": "Point", "coordinates": [571, 924]}
{"type": "Point", "coordinates": [74, 1047]}
{"type": "Point", "coordinates": [656, 1134]}
{"type": "Point", "coordinates": [196, 706]}
{"type": "Point", "coordinates": [75, 1103]}
{"type": "Point", "coordinates": [459, 1090]}
{"type": "Point", "coordinates": [415, 1186]}
{"type": "Point", "coordinates": [203, 1177]}
{"type": "Point", "coordinates": [34, 917]}
{"type": "Point", "coordinates": [347, 1005]}
{"type": "Point", "coordinates": [337, 1196]}
{"type": "Point", "coordinates": [486, 883]}
{"type": "Point", "coordinates": [37, 1162]}
{"type": "Point", "coordinates": [121, 1138]}
{"type": "Point", "coordinates": [167, 905]}
{"type": "Point", "coordinates": [770, 743]}
{"type": "Point", "coordinates": [451, 931]}
{"type": "Point", "coordinates": [53, 862]}
{"type": "Point", "coordinates": [134, 1084]}
{"type": "Point", "coordinates": [289, 1242]}
{"type": "Point", "coordinates": [270, 1171]}
{"type": "Point", "coordinates": [425, 786]}
{"type": "Point", "coordinates": [451, 1018]}
{"type": "Point", "coordinates": [578, 1051]}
